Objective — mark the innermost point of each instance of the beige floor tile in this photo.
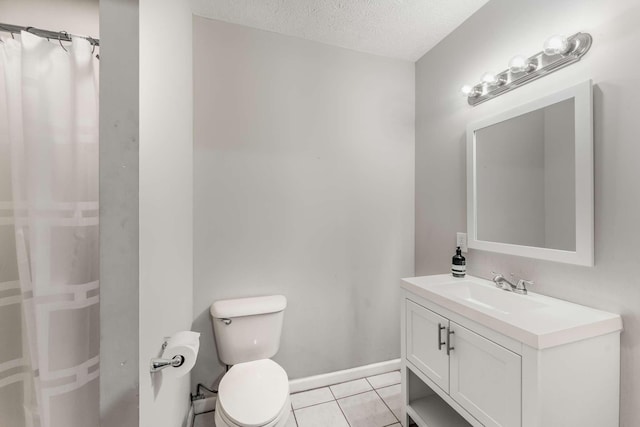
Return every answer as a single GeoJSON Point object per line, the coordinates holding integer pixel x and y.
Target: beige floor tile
{"type": "Point", "coordinates": [392, 396]}
{"type": "Point", "coordinates": [350, 388]}
{"type": "Point", "coordinates": [384, 380]}
{"type": "Point", "coordinates": [323, 415]}
{"type": "Point", "coordinates": [366, 410]}
{"type": "Point", "coordinates": [311, 397]}
{"type": "Point", "coordinates": [291, 422]}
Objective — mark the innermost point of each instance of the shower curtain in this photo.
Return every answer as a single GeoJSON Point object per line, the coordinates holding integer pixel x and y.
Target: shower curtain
{"type": "Point", "coordinates": [49, 288]}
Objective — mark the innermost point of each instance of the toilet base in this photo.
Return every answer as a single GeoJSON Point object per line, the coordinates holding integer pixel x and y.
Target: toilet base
{"type": "Point", "coordinates": [222, 421]}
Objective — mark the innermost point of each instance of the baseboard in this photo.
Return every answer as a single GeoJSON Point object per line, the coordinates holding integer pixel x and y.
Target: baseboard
{"type": "Point", "coordinates": [323, 380]}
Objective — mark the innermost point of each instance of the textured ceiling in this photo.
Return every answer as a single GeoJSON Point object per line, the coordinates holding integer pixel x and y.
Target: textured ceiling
{"type": "Point", "coordinates": [395, 28]}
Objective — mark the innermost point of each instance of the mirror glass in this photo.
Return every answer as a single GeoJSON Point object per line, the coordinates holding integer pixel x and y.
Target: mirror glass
{"type": "Point", "coordinates": [525, 179]}
{"type": "Point", "coordinates": [530, 179]}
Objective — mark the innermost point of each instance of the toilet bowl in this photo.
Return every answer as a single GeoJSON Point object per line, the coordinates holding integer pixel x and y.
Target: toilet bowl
{"type": "Point", "coordinates": [255, 391]}
{"type": "Point", "coordinates": [253, 394]}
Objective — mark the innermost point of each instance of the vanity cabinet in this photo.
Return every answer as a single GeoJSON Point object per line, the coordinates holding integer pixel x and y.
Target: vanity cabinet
{"type": "Point", "coordinates": [425, 334]}
{"type": "Point", "coordinates": [463, 365]}
{"type": "Point", "coordinates": [478, 374]}
{"type": "Point", "coordinates": [485, 378]}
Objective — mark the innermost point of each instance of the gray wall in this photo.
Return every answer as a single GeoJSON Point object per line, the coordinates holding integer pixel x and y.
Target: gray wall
{"type": "Point", "coordinates": [304, 186]}
{"type": "Point", "coordinates": [73, 16]}
{"type": "Point", "coordinates": [442, 115]}
{"type": "Point", "coordinates": [119, 155]}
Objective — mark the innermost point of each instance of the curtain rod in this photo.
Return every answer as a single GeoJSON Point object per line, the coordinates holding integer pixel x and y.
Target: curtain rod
{"type": "Point", "coordinates": [53, 35]}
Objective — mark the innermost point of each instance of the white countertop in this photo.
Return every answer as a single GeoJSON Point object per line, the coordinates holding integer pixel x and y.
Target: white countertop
{"type": "Point", "coordinates": [535, 320]}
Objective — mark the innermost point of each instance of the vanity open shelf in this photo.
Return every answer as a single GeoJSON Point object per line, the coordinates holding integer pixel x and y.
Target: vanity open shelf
{"type": "Point", "coordinates": [427, 408]}
{"type": "Point", "coordinates": [475, 355]}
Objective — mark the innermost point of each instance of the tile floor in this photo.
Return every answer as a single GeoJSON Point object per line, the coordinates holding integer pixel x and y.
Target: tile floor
{"type": "Point", "coordinates": [365, 402]}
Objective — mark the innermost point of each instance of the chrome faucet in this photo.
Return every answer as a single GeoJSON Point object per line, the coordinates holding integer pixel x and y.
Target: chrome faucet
{"type": "Point", "coordinates": [520, 287]}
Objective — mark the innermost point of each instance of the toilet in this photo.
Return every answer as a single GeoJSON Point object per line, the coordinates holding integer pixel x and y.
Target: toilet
{"type": "Point", "coordinates": [255, 390]}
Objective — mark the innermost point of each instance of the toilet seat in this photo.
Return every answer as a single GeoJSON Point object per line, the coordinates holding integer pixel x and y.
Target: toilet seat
{"type": "Point", "coordinates": [222, 420]}
{"type": "Point", "coordinates": [253, 394]}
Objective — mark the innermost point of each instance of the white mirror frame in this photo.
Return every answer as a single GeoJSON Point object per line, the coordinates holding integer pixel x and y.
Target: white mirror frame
{"type": "Point", "coordinates": [584, 253]}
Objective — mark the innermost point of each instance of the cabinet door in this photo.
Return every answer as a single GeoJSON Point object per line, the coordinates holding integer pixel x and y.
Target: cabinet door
{"type": "Point", "coordinates": [485, 379]}
{"type": "Point", "coordinates": [424, 328]}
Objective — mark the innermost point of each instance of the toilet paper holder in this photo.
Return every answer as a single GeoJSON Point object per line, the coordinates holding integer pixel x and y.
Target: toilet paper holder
{"type": "Point", "coordinates": [158, 364]}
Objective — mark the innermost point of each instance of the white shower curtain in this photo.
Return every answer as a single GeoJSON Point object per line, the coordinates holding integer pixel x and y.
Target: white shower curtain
{"type": "Point", "coordinates": [50, 129]}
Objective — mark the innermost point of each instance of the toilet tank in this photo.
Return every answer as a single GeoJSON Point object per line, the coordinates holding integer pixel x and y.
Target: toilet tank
{"type": "Point", "coordinates": [248, 329]}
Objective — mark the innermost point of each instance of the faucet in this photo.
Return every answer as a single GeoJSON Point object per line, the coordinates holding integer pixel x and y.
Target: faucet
{"type": "Point", "coordinates": [520, 287]}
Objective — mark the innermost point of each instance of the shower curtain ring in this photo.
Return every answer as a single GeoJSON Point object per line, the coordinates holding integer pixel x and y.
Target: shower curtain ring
{"type": "Point", "coordinates": [60, 34]}
{"type": "Point", "coordinates": [9, 31]}
{"type": "Point", "coordinates": [93, 44]}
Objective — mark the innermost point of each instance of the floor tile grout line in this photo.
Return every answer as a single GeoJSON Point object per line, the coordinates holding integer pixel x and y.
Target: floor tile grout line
{"type": "Point", "coordinates": [385, 404]}
{"type": "Point", "coordinates": [334, 396]}
{"type": "Point", "coordinates": [355, 394]}
{"type": "Point", "coordinates": [350, 381]}
{"type": "Point", "coordinates": [315, 404]}
{"type": "Point", "coordinates": [340, 407]}
{"type": "Point", "coordinates": [344, 397]}
{"type": "Point", "coordinates": [324, 403]}
{"type": "Point", "coordinates": [379, 397]}
{"type": "Point", "coordinates": [330, 385]}
{"type": "Point", "coordinates": [384, 373]}
{"type": "Point", "coordinates": [294, 416]}
{"type": "Point", "coordinates": [344, 382]}
{"type": "Point", "coordinates": [370, 383]}
{"type": "Point", "coordinates": [386, 386]}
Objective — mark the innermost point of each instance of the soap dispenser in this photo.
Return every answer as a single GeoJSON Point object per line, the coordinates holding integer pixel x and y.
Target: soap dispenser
{"type": "Point", "coordinates": [458, 264]}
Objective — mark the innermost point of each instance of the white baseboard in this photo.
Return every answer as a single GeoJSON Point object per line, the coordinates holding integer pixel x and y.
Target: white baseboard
{"type": "Point", "coordinates": [323, 380]}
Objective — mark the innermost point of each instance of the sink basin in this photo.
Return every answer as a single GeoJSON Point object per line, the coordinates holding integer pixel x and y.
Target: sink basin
{"type": "Point", "coordinates": [536, 320]}
{"type": "Point", "coordinates": [488, 297]}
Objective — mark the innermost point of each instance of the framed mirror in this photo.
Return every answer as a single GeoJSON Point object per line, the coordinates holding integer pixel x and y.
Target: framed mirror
{"type": "Point", "coordinates": [530, 179]}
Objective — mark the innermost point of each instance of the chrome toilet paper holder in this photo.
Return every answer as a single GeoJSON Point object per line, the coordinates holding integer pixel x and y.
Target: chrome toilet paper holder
{"type": "Point", "coordinates": [158, 364]}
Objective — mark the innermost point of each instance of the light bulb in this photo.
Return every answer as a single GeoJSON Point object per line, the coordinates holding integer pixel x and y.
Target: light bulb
{"type": "Point", "coordinates": [556, 45]}
{"type": "Point", "coordinates": [466, 90]}
{"type": "Point", "coordinates": [488, 78]}
{"type": "Point", "coordinates": [519, 63]}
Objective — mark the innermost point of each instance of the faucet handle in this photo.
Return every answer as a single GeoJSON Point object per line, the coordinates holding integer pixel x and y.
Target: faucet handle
{"type": "Point", "coordinates": [498, 279]}
{"type": "Point", "coordinates": [497, 276]}
{"type": "Point", "coordinates": [522, 285]}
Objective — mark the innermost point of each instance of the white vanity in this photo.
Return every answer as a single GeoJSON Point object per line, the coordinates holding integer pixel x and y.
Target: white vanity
{"type": "Point", "coordinates": [476, 355]}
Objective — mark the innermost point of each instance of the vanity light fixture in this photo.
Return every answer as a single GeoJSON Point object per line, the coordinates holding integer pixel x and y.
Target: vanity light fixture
{"type": "Point", "coordinates": [558, 52]}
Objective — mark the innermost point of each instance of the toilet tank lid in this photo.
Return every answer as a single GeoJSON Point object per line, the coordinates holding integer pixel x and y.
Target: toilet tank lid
{"type": "Point", "coordinates": [240, 307]}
